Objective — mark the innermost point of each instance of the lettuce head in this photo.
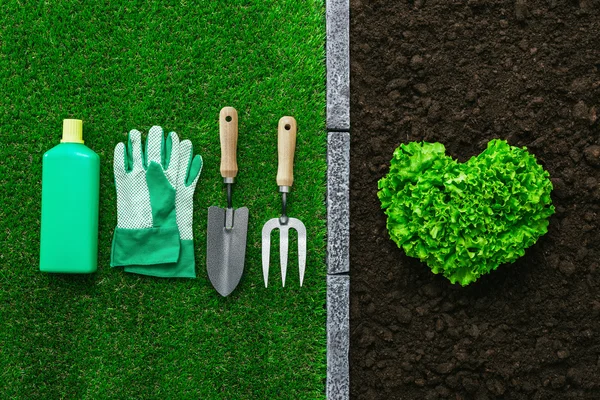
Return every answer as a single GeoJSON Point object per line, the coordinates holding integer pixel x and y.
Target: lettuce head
{"type": "Point", "coordinates": [465, 219]}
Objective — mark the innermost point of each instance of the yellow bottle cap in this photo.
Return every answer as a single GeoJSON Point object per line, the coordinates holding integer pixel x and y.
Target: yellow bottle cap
{"type": "Point", "coordinates": [72, 131]}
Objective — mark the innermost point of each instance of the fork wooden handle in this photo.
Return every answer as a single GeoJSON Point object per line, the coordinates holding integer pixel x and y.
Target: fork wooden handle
{"type": "Point", "coordinates": [286, 146]}
{"type": "Point", "coordinates": [228, 132]}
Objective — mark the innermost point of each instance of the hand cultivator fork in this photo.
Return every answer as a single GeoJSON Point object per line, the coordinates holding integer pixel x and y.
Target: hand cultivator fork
{"type": "Point", "coordinates": [286, 145]}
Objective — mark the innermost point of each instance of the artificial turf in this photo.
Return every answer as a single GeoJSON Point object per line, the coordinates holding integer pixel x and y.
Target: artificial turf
{"type": "Point", "coordinates": [121, 65]}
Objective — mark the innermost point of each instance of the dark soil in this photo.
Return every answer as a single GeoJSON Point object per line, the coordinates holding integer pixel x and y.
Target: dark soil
{"type": "Point", "coordinates": [462, 72]}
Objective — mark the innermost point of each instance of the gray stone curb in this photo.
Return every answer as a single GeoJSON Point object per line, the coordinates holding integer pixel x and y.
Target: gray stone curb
{"type": "Point", "coordinates": [338, 65]}
{"type": "Point", "coordinates": [338, 337]}
{"type": "Point", "coordinates": [338, 199]}
{"type": "Point", "coordinates": [338, 202]}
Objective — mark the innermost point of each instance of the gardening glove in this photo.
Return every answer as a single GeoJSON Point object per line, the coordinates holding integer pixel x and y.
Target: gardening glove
{"type": "Point", "coordinates": [188, 173]}
{"type": "Point", "coordinates": [146, 232]}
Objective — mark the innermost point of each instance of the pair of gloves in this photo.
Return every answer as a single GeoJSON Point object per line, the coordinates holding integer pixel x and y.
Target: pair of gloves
{"type": "Point", "coordinates": [155, 190]}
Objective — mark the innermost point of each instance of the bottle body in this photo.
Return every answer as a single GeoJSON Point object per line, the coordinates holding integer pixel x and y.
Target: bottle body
{"type": "Point", "coordinates": [70, 199]}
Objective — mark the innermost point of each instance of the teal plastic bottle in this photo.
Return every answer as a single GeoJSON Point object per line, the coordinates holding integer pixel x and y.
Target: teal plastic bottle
{"type": "Point", "coordinates": [70, 190]}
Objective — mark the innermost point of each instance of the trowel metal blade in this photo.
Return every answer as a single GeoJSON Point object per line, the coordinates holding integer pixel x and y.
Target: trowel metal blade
{"type": "Point", "coordinates": [226, 248]}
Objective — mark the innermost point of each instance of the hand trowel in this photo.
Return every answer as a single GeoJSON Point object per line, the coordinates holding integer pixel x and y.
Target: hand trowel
{"type": "Point", "coordinates": [227, 227]}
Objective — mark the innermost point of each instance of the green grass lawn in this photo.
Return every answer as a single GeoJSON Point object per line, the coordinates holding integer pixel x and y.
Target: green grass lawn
{"type": "Point", "coordinates": [121, 65]}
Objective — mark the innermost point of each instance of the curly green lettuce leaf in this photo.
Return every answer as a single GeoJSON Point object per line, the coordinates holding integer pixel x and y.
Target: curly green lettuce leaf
{"type": "Point", "coordinates": [464, 220]}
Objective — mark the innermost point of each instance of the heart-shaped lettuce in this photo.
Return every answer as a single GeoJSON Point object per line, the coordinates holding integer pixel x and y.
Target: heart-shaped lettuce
{"type": "Point", "coordinates": [465, 219]}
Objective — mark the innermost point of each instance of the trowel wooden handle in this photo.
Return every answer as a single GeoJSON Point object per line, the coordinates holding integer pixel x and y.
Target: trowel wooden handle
{"type": "Point", "coordinates": [228, 130]}
{"type": "Point", "coordinates": [286, 146]}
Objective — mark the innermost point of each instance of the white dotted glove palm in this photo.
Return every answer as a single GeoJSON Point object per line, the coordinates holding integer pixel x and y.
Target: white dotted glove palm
{"type": "Point", "coordinates": [155, 205]}
{"type": "Point", "coordinates": [146, 231]}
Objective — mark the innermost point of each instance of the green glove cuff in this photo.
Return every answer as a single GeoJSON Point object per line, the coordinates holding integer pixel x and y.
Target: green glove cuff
{"type": "Point", "coordinates": [185, 267]}
{"type": "Point", "coordinates": [145, 246]}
